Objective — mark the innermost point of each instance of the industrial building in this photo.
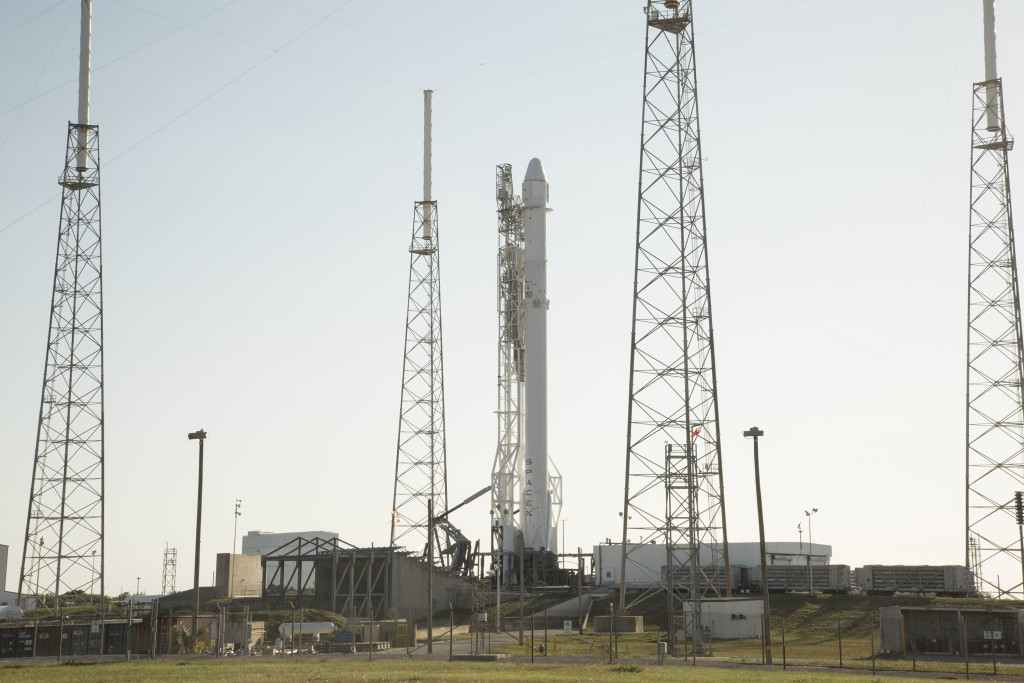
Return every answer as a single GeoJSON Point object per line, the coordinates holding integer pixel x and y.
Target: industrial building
{"type": "Point", "coordinates": [947, 631]}
{"type": "Point", "coordinates": [6, 598]}
{"type": "Point", "coordinates": [608, 559]}
{"type": "Point", "coordinates": [358, 583]}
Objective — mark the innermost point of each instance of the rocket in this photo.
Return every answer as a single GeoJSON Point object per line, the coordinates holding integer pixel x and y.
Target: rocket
{"type": "Point", "coordinates": [537, 526]}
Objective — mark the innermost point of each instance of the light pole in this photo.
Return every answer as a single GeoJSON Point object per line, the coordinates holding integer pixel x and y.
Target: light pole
{"type": "Point", "coordinates": [238, 513]}
{"type": "Point", "coordinates": [201, 436]}
{"type": "Point", "coordinates": [562, 546]}
{"type": "Point", "coordinates": [800, 531]}
{"type": "Point", "coordinates": [766, 624]}
{"type": "Point", "coordinates": [810, 551]}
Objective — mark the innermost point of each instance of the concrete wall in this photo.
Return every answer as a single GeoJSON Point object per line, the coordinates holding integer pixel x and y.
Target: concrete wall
{"type": "Point", "coordinates": [608, 558]}
{"type": "Point", "coordinates": [239, 576]}
{"type": "Point", "coordinates": [729, 617]}
{"type": "Point", "coordinates": [409, 589]}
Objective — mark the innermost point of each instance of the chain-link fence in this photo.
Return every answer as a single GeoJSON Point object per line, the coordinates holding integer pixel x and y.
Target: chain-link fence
{"type": "Point", "coordinates": [823, 631]}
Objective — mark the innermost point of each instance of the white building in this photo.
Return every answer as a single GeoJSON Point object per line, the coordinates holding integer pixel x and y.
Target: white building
{"type": "Point", "coordinates": [6, 598]}
{"type": "Point", "coordinates": [608, 558]}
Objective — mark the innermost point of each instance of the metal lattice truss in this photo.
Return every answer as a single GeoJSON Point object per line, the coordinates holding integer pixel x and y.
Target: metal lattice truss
{"type": "Point", "coordinates": [995, 407]}
{"type": "Point", "coordinates": [170, 572]}
{"type": "Point", "coordinates": [63, 549]}
{"type": "Point", "coordinates": [506, 477]}
{"type": "Point", "coordinates": [420, 463]}
{"type": "Point", "coordinates": [673, 484]}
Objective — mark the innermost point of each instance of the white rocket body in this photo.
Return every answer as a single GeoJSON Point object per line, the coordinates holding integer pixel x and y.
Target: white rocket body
{"type": "Point", "coordinates": [537, 524]}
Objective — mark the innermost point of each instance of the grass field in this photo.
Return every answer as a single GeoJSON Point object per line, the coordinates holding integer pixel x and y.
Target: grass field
{"type": "Point", "coordinates": [386, 671]}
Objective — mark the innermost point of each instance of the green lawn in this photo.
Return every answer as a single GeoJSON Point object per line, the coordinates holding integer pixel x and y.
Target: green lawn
{"type": "Point", "coordinates": [324, 669]}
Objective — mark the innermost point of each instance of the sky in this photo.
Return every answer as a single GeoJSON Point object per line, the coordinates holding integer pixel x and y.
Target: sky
{"type": "Point", "coordinates": [260, 162]}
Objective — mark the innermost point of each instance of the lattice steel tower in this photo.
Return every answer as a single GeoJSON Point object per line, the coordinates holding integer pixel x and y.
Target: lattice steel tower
{"type": "Point", "coordinates": [170, 570]}
{"type": "Point", "coordinates": [673, 487]}
{"type": "Point", "coordinates": [420, 462]}
{"type": "Point", "coordinates": [64, 530]}
{"type": "Point", "coordinates": [995, 407]}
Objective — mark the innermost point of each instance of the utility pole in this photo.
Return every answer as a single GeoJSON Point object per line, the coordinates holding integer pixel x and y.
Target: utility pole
{"type": "Point", "coordinates": [238, 513]}
{"type": "Point", "coordinates": [766, 618]}
{"type": "Point", "coordinates": [201, 437]}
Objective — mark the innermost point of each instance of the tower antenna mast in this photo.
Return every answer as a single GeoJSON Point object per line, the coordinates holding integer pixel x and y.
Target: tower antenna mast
{"type": "Point", "coordinates": [420, 461]}
{"type": "Point", "coordinates": [995, 351]}
{"type": "Point", "coordinates": [64, 543]}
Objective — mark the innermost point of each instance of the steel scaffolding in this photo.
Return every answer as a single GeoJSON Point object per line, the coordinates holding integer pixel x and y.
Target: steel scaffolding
{"type": "Point", "coordinates": [673, 484]}
{"type": "Point", "coordinates": [506, 477]}
{"type": "Point", "coordinates": [64, 530]}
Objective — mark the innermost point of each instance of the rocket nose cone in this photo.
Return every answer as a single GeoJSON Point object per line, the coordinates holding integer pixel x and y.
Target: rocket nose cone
{"type": "Point", "coordinates": [535, 171]}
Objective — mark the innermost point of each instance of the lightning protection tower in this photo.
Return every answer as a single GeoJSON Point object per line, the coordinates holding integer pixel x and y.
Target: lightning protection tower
{"type": "Point", "coordinates": [673, 484]}
{"type": "Point", "coordinates": [170, 573]}
{"type": "Point", "coordinates": [995, 407]}
{"type": "Point", "coordinates": [420, 462]}
{"type": "Point", "coordinates": [64, 530]}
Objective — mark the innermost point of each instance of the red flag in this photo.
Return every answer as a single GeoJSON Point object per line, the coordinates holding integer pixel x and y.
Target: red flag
{"type": "Point", "coordinates": [695, 432]}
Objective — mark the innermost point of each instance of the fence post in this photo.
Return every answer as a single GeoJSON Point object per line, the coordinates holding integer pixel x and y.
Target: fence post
{"type": "Point", "coordinates": [783, 641]}
{"type": "Point", "coordinates": [992, 645]}
{"type": "Point", "coordinates": [546, 630]}
{"type": "Point", "coordinates": [913, 640]}
{"type": "Point", "coordinates": [839, 625]}
{"type": "Point", "coordinates": [872, 643]}
{"type": "Point", "coordinates": [60, 633]}
{"type": "Point", "coordinates": [409, 626]}
{"type": "Point", "coordinates": [533, 624]}
{"type": "Point", "coordinates": [963, 643]}
{"type": "Point", "coordinates": [154, 626]}
{"type": "Point", "coordinates": [615, 633]}
{"type": "Point", "coordinates": [611, 629]}
{"type": "Point", "coordinates": [451, 631]}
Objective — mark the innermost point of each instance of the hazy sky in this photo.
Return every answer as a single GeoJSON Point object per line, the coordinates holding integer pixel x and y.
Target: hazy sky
{"type": "Point", "coordinates": [260, 165]}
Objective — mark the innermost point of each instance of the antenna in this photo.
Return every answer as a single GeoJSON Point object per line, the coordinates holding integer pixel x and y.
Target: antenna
{"type": "Point", "coordinates": [84, 57]}
{"type": "Point", "coordinates": [995, 344]}
{"type": "Point", "coordinates": [421, 478]}
{"type": "Point", "coordinates": [66, 503]}
{"type": "Point", "coordinates": [427, 158]}
{"type": "Point", "coordinates": [992, 110]}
